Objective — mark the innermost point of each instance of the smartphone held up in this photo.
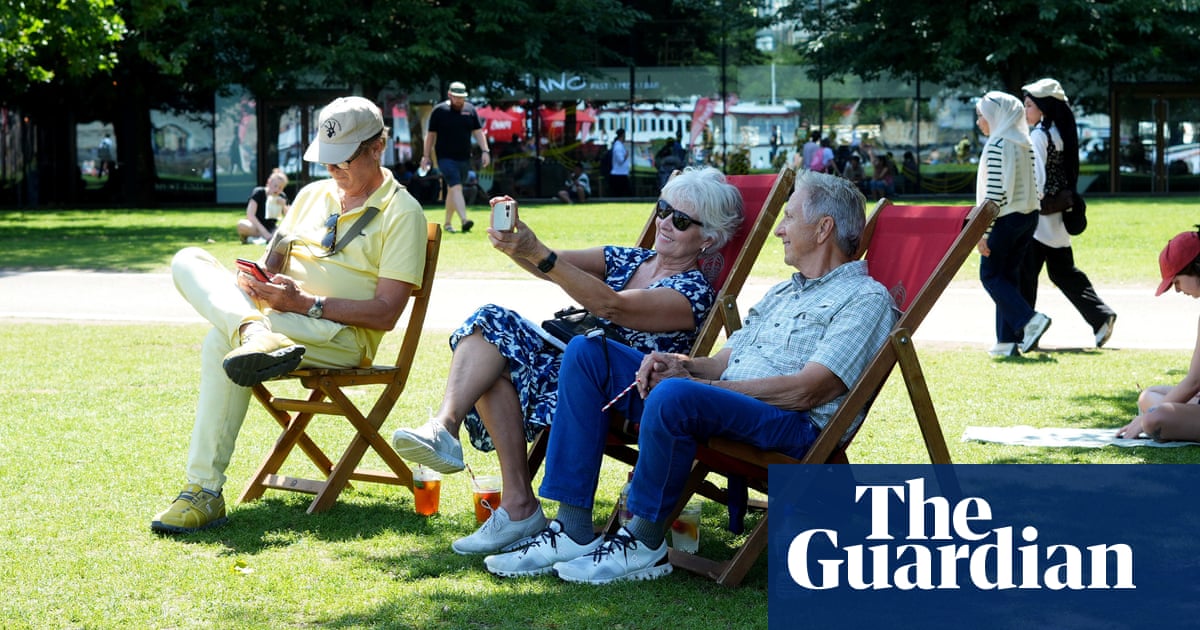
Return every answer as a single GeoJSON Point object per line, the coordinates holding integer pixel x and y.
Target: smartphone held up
{"type": "Point", "coordinates": [504, 214]}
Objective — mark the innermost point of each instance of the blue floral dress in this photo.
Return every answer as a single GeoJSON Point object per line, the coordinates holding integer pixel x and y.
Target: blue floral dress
{"type": "Point", "coordinates": [533, 364]}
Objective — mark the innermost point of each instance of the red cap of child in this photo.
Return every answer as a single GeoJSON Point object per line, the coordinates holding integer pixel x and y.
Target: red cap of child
{"type": "Point", "coordinates": [1176, 256]}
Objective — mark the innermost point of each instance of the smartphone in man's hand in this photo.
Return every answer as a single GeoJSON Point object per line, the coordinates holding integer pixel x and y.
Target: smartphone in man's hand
{"type": "Point", "coordinates": [254, 269]}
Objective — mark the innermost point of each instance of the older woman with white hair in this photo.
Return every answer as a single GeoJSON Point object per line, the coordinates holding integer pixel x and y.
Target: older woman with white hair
{"type": "Point", "coordinates": [503, 381]}
{"type": "Point", "coordinates": [1008, 178]}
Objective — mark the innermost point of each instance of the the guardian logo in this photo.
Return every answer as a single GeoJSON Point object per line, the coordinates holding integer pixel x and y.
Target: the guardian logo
{"type": "Point", "coordinates": [945, 546]}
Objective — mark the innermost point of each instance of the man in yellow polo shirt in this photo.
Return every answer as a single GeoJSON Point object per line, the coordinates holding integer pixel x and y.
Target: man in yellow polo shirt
{"type": "Point", "coordinates": [344, 284]}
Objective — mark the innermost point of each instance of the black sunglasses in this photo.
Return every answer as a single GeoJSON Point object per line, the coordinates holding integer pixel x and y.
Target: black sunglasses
{"type": "Point", "coordinates": [346, 164]}
{"type": "Point", "coordinates": [681, 221]}
{"type": "Point", "coordinates": [330, 233]}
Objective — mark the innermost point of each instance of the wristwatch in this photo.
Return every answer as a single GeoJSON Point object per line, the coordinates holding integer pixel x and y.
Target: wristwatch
{"type": "Point", "coordinates": [318, 308]}
{"type": "Point", "coordinates": [546, 265]}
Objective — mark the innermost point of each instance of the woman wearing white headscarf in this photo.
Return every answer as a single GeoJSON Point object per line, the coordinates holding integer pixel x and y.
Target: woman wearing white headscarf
{"type": "Point", "coordinates": [1056, 149]}
{"type": "Point", "coordinates": [1007, 177]}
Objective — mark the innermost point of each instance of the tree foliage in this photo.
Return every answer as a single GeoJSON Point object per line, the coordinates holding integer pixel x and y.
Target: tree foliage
{"type": "Point", "coordinates": [278, 47]}
{"type": "Point", "coordinates": [695, 33]}
{"type": "Point", "coordinates": [999, 43]}
{"type": "Point", "coordinates": [43, 40]}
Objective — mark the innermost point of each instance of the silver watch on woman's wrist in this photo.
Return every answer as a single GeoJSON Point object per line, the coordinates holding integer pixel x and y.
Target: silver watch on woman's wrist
{"type": "Point", "coordinates": [318, 308]}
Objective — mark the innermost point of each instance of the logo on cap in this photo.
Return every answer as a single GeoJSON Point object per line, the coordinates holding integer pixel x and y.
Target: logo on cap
{"type": "Point", "coordinates": [332, 127]}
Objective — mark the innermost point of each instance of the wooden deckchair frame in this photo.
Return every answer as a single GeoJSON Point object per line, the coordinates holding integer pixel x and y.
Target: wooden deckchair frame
{"type": "Point", "coordinates": [327, 396]}
{"type": "Point", "coordinates": [724, 456]}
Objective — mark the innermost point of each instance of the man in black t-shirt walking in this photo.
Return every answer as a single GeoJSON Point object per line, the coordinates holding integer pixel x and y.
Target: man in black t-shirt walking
{"type": "Point", "coordinates": [451, 126]}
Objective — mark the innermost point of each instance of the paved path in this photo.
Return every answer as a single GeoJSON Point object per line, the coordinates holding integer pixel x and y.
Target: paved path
{"type": "Point", "coordinates": [963, 315]}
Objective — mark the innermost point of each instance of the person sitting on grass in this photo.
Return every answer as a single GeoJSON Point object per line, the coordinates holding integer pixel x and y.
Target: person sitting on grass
{"type": "Point", "coordinates": [775, 384]}
{"type": "Point", "coordinates": [1169, 413]}
{"type": "Point", "coordinates": [577, 187]}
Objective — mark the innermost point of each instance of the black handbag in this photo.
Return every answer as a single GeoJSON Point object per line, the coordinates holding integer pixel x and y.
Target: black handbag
{"type": "Point", "coordinates": [573, 321]}
{"type": "Point", "coordinates": [1074, 218]}
{"type": "Point", "coordinates": [1058, 202]}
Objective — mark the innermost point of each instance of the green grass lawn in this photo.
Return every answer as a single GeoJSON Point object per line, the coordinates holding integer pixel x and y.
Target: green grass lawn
{"type": "Point", "coordinates": [97, 419]}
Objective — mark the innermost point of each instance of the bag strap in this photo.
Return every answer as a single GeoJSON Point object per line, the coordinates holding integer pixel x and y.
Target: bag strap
{"type": "Point", "coordinates": [355, 229]}
{"type": "Point", "coordinates": [278, 251]}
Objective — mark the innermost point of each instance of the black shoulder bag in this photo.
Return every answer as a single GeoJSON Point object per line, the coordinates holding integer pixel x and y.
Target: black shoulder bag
{"type": "Point", "coordinates": [573, 321]}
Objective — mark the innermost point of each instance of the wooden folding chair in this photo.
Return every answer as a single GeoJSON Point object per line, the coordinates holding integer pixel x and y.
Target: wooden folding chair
{"type": "Point", "coordinates": [763, 197]}
{"type": "Point", "coordinates": [914, 251]}
{"type": "Point", "coordinates": [328, 396]}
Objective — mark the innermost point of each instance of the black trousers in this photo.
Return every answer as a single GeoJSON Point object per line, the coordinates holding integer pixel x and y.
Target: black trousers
{"type": "Point", "coordinates": [1074, 284]}
{"type": "Point", "coordinates": [619, 186]}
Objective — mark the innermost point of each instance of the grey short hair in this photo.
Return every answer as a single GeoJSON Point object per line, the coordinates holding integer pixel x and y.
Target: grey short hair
{"type": "Point", "coordinates": [717, 203]}
{"type": "Point", "coordinates": [823, 195]}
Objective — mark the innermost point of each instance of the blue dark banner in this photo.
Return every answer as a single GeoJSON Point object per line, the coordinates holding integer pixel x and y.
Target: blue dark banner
{"type": "Point", "coordinates": [984, 546]}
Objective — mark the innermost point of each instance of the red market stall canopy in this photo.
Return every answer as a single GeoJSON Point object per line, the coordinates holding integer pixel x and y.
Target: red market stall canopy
{"type": "Point", "coordinates": [553, 121]}
{"type": "Point", "coordinates": [502, 123]}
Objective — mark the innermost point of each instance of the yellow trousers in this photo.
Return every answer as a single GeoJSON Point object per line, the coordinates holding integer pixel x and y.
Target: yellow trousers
{"type": "Point", "coordinates": [212, 290]}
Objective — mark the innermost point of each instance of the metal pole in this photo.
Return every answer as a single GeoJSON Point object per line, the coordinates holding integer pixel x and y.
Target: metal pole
{"type": "Point", "coordinates": [724, 90]}
{"type": "Point", "coordinates": [821, 73]}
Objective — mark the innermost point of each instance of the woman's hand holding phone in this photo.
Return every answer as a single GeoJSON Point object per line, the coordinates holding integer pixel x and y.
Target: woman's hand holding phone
{"type": "Point", "coordinates": [504, 214]}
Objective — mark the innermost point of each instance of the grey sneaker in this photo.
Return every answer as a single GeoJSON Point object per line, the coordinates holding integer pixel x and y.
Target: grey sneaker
{"type": "Point", "coordinates": [430, 445]}
{"type": "Point", "coordinates": [1104, 332]}
{"type": "Point", "coordinates": [1037, 326]}
{"type": "Point", "coordinates": [498, 532]}
{"type": "Point", "coordinates": [621, 557]}
{"type": "Point", "coordinates": [540, 553]}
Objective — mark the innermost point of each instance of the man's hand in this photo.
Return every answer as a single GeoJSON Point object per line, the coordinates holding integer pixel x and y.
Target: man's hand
{"type": "Point", "coordinates": [281, 293]}
{"type": "Point", "coordinates": [983, 248]}
{"type": "Point", "coordinates": [658, 366]}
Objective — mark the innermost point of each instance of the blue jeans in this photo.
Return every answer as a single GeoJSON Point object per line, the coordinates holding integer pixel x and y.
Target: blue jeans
{"type": "Point", "coordinates": [676, 415]}
{"type": "Point", "coordinates": [1000, 273]}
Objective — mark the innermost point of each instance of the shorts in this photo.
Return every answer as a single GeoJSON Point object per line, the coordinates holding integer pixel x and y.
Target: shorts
{"type": "Point", "coordinates": [454, 172]}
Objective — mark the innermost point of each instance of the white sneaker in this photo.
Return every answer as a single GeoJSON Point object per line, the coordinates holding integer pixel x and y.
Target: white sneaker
{"type": "Point", "coordinates": [1105, 331]}
{"type": "Point", "coordinates": [1033, 331]}
{"type": "Point", "coordinates": [430, 445]}
{"type": "Point", "coordinates": [539, 555]}
{"type": "Point", "coordinates": [1003, 350]}
{"type": "Point", "coordinates": [499, 531]}
{"type": "Point", "coordinates": [621, 557]}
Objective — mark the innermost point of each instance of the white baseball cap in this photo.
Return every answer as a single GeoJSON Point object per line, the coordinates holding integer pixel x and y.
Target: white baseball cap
{"type": "Point", "coordinates": [1046, 88]}
{"type": "Point", "coordinates": [345, 123]}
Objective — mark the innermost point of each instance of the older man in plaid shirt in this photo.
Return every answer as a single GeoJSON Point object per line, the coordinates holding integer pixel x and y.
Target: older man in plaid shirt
{"type": "Point", "coordinates": [775, 384]}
